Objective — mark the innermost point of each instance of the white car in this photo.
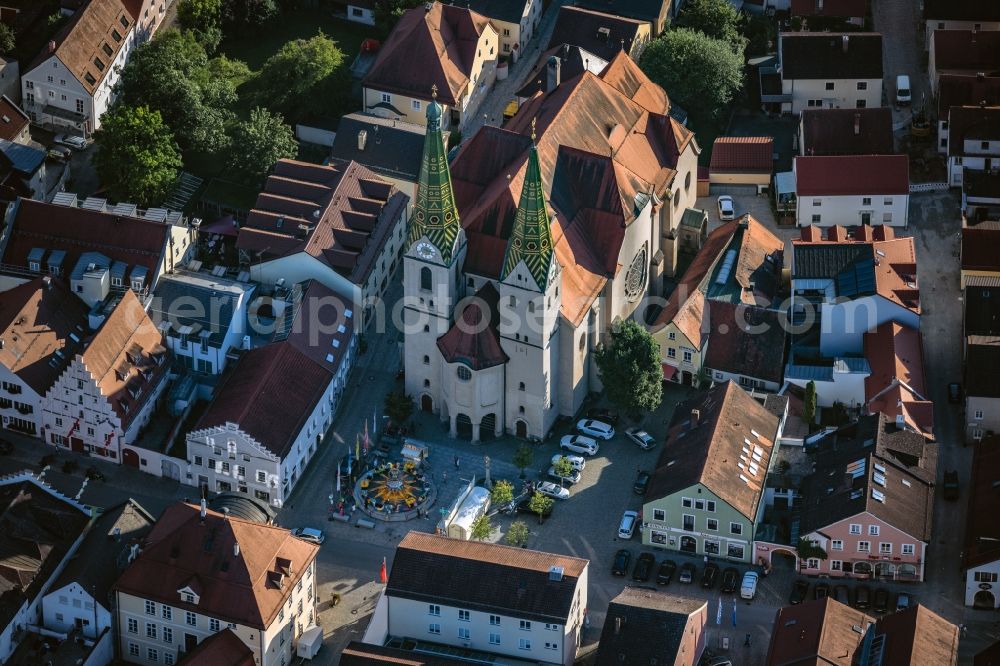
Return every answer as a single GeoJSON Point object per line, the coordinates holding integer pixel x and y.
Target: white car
{"type": "Point", "coordinates": [310, 534]}
{"type": "Point", "coordinates": [598, 429]}
{"type": "Point", "coordinates": [641, 437]}
{"type": "Point", "coordinates": [579, 444]}
{"type": "Point", "coordinates": [577, 462]}
{"type": "Point", "coordinates": [726, 209]}
{"type": "Point", "coordinates": [75, 142]}
{"type": "Point", "coordinates": [572, 478]}
{"type": "Point", "coordinates": [552, 490]}
{"type": "Point", "coordinates": [627, 527]}
{"type": "Point", "coordinates": [748, 589]}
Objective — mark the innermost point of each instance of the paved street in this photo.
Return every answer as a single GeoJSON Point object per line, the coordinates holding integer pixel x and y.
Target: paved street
{"type": "Point", "coordinates": [902, 49]}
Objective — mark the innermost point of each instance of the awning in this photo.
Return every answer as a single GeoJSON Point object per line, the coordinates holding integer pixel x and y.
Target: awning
{"type": "Point", "coordinates": [668, 372]}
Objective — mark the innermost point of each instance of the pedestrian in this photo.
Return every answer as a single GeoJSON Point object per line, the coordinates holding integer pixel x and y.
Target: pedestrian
{"type": "Point", "coordinates": [456, 462]}
{"type": "Point", "coordinates": [747, 641]}
{"type": "Point", "coordinates": [444, 476]}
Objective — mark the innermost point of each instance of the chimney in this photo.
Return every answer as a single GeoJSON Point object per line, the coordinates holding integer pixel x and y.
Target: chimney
{"type": "Point", "coordinates": [225, 512]}
{"type": "Point", "coordinates": [428, 6]}
{"type": "Point", "coordinates": [362, 139]}
{"type": "Point", "coordinates": [52, 46]}
{"type": "Point", "coordinates": [900, 421]}
{"type": "Point", "coordinates": [236, 549]}
{"type": "Point", "coordinates": [845, 42]}
{"type": "Point", "coordinates": [204, 509]}
{"type": "Point", "coordinates": [695, 415]}
{"type": "Point", "coordinates": [47, 281]}
{"type": "Point", "coordinates": [552, 73]}
{"type": "Point", "coordinates": [857, 123]}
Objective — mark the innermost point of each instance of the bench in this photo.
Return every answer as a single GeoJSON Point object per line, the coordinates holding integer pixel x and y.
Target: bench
{"type": "Point", "coordinates": [364, 522]}
{"type": "Point", "coordinates": [344, 518]}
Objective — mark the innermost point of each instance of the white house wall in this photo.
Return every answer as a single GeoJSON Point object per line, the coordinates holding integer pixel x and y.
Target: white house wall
{"type": "Point", "coordinates": [848, 210]}
{"type": "Point", "coordinates": [972, 586]}
{"type": "Point", "coordinates": [845, 94]}
{"type": "Point", "coordinates": [846, 387]}
{"type": "Point", "coordinates": [61, 608]}
{"type": "Point", "coordinates": [27, 397]}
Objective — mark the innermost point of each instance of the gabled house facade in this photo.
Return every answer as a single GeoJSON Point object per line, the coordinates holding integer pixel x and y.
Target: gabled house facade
{"type": "Point", "coordinates": [852, 189]}
{"type": "Point", "coordinates": [981, 556]}
{"type": "Point", "coordinates": [705, 497]}
{"type": "Point", "coordinates": [963, 90]}
{"type": "Point", "coordinates": [516, 23]}
{"type": "Point", "coordinates": [823, 70]}
{"type": "Point", "coordinates": [973, 140]}
{"type": "Point", "coordinates": [982, 393]}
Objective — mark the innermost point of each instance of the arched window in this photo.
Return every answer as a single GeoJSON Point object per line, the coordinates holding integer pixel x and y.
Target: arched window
{"type": "Point", "coordinates": [464, 373]}
{"type": "Point", "coordinates": [427, 328]}
{"type": "Point", "coordinates": [531, 306]}
{"type": "Point", "coordinates": [427, 360]}
{"type": "Point", "coordinates": [427, 383]}
{"type": "Point", "coordinates": [425, 278]}
{"type": "Point", "coordinates": [687, 181]}
{"type": "Point", "coordinates": [677, 198]}
{"type": "Point", "coordinates": [520, 386]}
{"type": "Point", "coordinates": [520, 410]}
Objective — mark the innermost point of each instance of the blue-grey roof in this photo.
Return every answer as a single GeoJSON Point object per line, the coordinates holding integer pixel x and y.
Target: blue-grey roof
{"type": "Point", "coordinates": [118, 269]}
{"type": "Point", "coordinates": [393, 151]}
{"type": "Point", "coordinates": [852, 364]}
{"type": "Point", "coordinates": [184, 302]}
{"type": "Point", "coordinates": [36, 254]}
{"type": "Point", "coordinates": [821, 373]}
{"type": "Point", "coordinates": [86, 260]}
{"type": "Point", "coordinates": [22, 158]}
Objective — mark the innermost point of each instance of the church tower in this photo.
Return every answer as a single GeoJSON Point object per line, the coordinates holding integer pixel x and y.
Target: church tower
{"type": "Point", "coordinates": [529, 297]}
{"type": "Point", "coordinates": [432, 267]}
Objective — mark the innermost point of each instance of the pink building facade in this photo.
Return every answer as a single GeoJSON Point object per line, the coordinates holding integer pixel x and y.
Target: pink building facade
{"type": "Point", "coordinates": [864, 546]}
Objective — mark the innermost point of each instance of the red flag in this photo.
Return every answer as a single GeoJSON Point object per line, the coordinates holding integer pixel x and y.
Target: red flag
{"type": "Point", "coordinates": [383, 577]}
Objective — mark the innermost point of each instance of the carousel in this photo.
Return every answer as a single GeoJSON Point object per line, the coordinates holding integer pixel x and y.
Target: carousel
{"type": "Point", "coordinates": [395, 491]}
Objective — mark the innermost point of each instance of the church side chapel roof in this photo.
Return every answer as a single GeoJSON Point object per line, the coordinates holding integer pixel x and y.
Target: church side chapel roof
{"type": "Point", "coordinates": [473, 339]}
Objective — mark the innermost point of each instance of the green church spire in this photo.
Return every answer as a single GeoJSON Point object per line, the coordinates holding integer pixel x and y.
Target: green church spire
{"type": "Point", "coordinates": [435, 215]}
{"type": "Point", "coordinates": [531, 239]}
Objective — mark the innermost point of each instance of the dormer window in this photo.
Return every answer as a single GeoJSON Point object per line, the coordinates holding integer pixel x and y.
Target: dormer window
{"type": "Point", "coordinates": [188, 596]}
{"type": "Point", "coordinates": [34, 266]}
{"type": "Point", "coordinates": [116, 282]}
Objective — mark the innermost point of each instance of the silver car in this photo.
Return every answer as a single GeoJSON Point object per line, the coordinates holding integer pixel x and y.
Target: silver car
{"type": "Point", "coordinates": [594, 428]}
{"type": "Point", "coordinates": [572, 478]}
{"type": "Point", "coordinates": [552, 490]}
{"type": "Point", "coordinates": [75, 142]}
{"type": "Point", "coordinates": [641, 437]}
{"type": "Point", "coordinates": [726, 209]}
{"type": "Point", "coordinates": [579, 444]}
{"type": "Point", "coordinates": [577, 462]}
{"type": "Point", "coordinates": [310, 534]}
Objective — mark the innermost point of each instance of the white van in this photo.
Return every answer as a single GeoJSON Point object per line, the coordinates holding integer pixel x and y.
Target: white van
{"type": "Point", "coordinates": [627, 527]}
{"type": "Point", "coordinates": [902, 89]}
{"type": "Point", "coordinates": [748, 590]}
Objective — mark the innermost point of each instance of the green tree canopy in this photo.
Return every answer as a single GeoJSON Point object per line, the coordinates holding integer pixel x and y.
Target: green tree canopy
{"type": "Point", "coordinates": [502, 493]}
{"type": "Point", "coordinates": [809, 403]}
{"type": "Point", "coordinates": [136, 155]}
{"type": "Point", "coordinates": [247, 14]}
{"type": "Point", "coordinates": [260, 142]}
{"type": "Point", "coordinates": [306, 76]}
{"type": "Point", "coordinates": [630, 368]}
{"type": "Point", "coordinates": [482, 528]}
{"type": "Point", "coordinates": [701, 74]}
{"type": "Point", "coordinates": [563, 467]}
{"type": "Point", "coordinates": [523, 457]}
{"type": "Point", "coordinates": [6, 38]}
{"type": "Point", "coordinates": [203, 18]}
{"type": "Point", "coordinates": [517, 533]}
{"type": "Point", "coordinates": [717, 19]}
{"type": "Point", "coordinates": [540, 504]}
{"type": "Point", "coordinates": [173, 75]}
{"type": "Point", "coordinates": [398, 407]}
{"type": "Point", "coordinates": [388, 13]}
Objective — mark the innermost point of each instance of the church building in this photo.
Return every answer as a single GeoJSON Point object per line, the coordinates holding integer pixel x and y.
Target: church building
{"type": "Point", "coordinates": [526, 249]}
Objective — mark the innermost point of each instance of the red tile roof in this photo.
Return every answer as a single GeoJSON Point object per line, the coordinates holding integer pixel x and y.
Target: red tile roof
{"type": "Point", "coordinates": [470, 342]}
{"type": "Point", "coordinates": [980, 249]}
{"type": "Point", "coordinates": [36, 320]}
{"type": "Point", "coordinates": [966, 90]}
{"type": "Point", "coordinates": [918, 635]}
{"type": "Point", "coordinates": [184, 551]}
{"type": "Point", "coordinates": [223, 648]}
{"type": "Point", "coordinates": [984, 506]}
{"type": "Point", "coordinates": [896, 385]}
{"type": "Point", "coordinates": [816, 632]}
{"type": "Point", "coordinates": [13, 120]}
{"type": "Point", "coordinates": [743, 154]}
{"type": "Point", "coordinates": [435, 46]}
{"type": "Point", "coordinates": [845, 175]}
{"type": "Point", "coordinates": [841, 8]}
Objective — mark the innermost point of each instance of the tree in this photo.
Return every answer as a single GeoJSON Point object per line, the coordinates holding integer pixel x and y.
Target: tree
{"type": "Point", "coordinates": [173, 75]}
{"type": "Point", "coordinates": [630, 369]}
{"type": "Point", "coordinates": [563, 468]}
{"type": "Point", "coordinates": [306, 76]}
{"type": "Point", "coordinates": [136, 155]}
{"type": "Point", "coordinates": [203, 18]}
{"type": "Point", "coordinates": [809, 403]}
{"type": "Point", "coordinates": [247, 14]}
{"type": "Point", "coordinates": [398, 407]}
{"type": "Point", "coordinates": [701, 74]}
{"type": "Point", "coordinates": [6, 38]}
{"type": "Point", "coordinates": [760, 33]}
{"type": "Point", "coordinates": [388, 12]}
{"type": "Point", "coordinates": [482, 528]}
{"type": "Point", "coordinates": [502, 493]}
{"type": "Point", "coordinates": [523, 457]}
{"type": "Point", "coordinates": [717, 19]}
{"type": "Point", "coordinates": [540, 504]}
{"type": "Point", "coordinates": [260, 142]}
{"type": "Point", "coordinates": [517, 533]}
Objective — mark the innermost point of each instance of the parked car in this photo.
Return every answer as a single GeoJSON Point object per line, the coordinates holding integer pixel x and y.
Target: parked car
{"type": "Point", "coordinates": [842, 593]}
{"type": "Point", "coordinates": [903, 600]}
{"type": "Point", "coordinates": [310, 534]}
{"type": "Point", "coordinates": [863, 597]}
{"type": "Point", "coordinates": [6, 447]}
{"type": "Point", "coordinates": [799, 590]}
{"type": "Point", "coordinates": [626, 528]}
{"type": "Point", "coordinates": [748, 587]}
{"type": "Point", "coordinates": [687, 573]}
{"type": "Point", "coordinates": [666, 572]}
{"type": "Point", "coordinates": [641, 484]}
{"type": "Point", "coordinates": [524, 506]}
{"type": "Point", "coordinates": [881, 604]}
{"type": "Point", "coordinates": [726, 209]}
{"type": "Point", "coordinates": [595, 428]}
{"type": "Point", "coordinates": [951, 487]}
{"type": "Point", "coordinates": [730, 578]}
{"type": "Point", "coordinates": [602, 414]}
{"type": "Point", "coordinates": [716, 661]}
{"type": "Point", "coordinates": [903, 94]}
{"type": "Point", "coordinates": [643, 567]}
{"type": "Point", "coordinates": [579, 444]}
{"type": "Point", "coordinates": [75, 142]}
{"type": "Point", "coordinates": [552, 490]}
{"type": "Point", "coordinates": [572, 478]}
{"type": "Point", "coordinates": [709, 575]}
{"type": "Point", "coordinates": [58, 154]}
{"type": "Point", "coordinates": [620, 565]}
{"type": "Point", "coordinates": [577, 462]}
{"type": "Point", "coordinates": [954, 393]}
{"type": "Point", "coordinates": [641, 437]}
{"type": "Point", "coordinates": [821, 591]}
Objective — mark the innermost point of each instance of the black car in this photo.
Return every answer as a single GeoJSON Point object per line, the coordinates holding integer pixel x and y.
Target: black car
{"type": "Point", "coordinates": [881, 604]}
{"type": "Point", "coordinates": [951, 488]}
{"type": "Point", "coordinates": [730, 579]}
{"type": "Point", "coordinates": [643, 568]}
{"type": "Point", "coordinates": [602, 414]}
{"type": "Point", "coordinates": [710, 575]}
{"type": "Point", "coordinates": [666, 572]}
{"type": "Point", "coordinates": [821, 591]}
{"type": "Point", "coordinates": [641, 484]}
{"type": "Point", "coordinates": [622, 559]}
{"type": "Point", "coordinates": [687, 573]}
{"type": "Point", "coordinates": [6, 448]}
{"type": "Point", "coordinates": [863, 597]}
{"type": "Point", "coordinates": [842, 593]}
{"type": "Point", "coordinates": [524, 506]}
{"type": "Point", "coordinates": [799, 591]}
{"type": "Point", "coordinates": [954, 392]}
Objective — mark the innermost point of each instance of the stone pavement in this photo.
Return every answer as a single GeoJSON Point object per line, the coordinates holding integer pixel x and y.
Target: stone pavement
{"type": "Point", "coordinates": [503, 91]}
{"type": "Point", "coordinates": [902, 53]}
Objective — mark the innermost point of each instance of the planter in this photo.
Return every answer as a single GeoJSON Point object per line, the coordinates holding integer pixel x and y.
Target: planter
{"type": "Point", "coordinates": [503, 69]}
